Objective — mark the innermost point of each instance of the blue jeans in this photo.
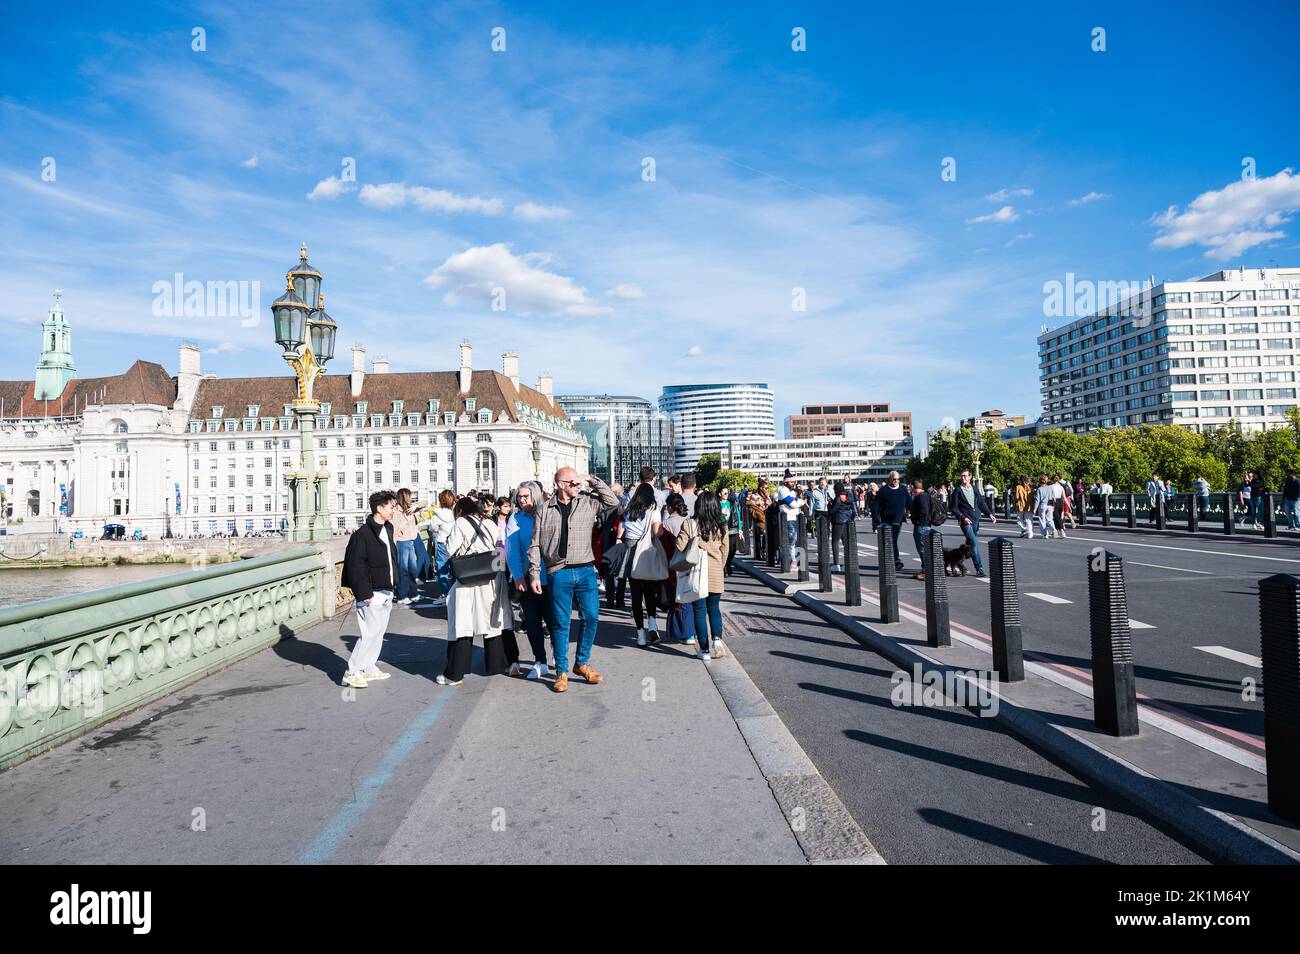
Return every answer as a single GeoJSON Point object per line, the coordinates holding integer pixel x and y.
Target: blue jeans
{"type": "Point", "coordinates": [919, 535]}
{"type": "Point", "coordinates": [972, 531]}
{"type": "Point", "coordinates": [442, 568]}
{"type": "Point", "coordinates": [706, 609]}
{"type": "Point", "coordinates": [568, 585]}
{"type": "Point", "coordinates": [1291, 509]}
{"type": "Point", "coordinates": [792, 532]}
{"type": "Point", "coordinates": [408, 567]}
{"type": "Point", "coordinates": [1252, 509]}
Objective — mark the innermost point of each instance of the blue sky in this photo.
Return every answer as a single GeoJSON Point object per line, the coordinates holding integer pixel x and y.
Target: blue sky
{"type": "Point", "coordinates": [523, 169]}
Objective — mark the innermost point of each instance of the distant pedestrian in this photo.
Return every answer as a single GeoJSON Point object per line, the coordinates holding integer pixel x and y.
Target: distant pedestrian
{"type": "Point", "coordinates": [1024, 508]}
{"type": "Point", "coordinates": [1257, 492]}
{"type": "Point", "coordinates": [1201, 488]}
{"type": "Point", "coordinates": [843, 517]}
{"type": "Point", "coordinates": [644, 562]}
{"type": "Point", "coordinates": [1291, 500]}
{"type": "Point", "coordinates": [519, 535]}
{"type": "Point", "coordinates": [918, 509]}
{"type": "Point", "coordinates": [707, 529]}
{"type": "Point", "coordinates": [967, 504]}
{"type": "Point", "coordinates": [892, 503]}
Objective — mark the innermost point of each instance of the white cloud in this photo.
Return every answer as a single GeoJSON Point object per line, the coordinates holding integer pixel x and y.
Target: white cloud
{"type": "Point", "coordinates": [226, 347]}
{"type": "Point", "coordinates": [1004, 214]}
{"type": "Point", "coordinates": [1003, 194]}
{"type": "Point", "coordinates": [625, 292]}
{"type": "Point", "coordinates": [1090, 197]}
{"type": "Point", "coordinates": [1237, 217]}
{"type": "Point", "coordinates": [1022, 237]}
{"type": "Point", "coordinates": [330, 188]}
{"type": "Point", "coordinates": [477, 272]}
{"type": "Point", "coordinates": [695, 351]}
{"type": "Point", "coordinates": [395, 195]}
{"type": "Point", "coordinates": [532, 212]}
{"type": "Point", "coordinates": [250, 162]}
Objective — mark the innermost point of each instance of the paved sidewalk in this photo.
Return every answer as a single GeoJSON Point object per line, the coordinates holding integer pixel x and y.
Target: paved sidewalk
{"type": "Point", "coordinates": [269, 761]}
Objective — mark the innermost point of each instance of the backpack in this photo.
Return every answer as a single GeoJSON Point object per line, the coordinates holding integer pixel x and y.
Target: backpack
{"type": "Point", "coordinates": [938, 508]}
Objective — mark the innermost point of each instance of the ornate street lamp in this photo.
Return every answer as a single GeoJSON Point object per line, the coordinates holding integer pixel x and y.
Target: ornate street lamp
{"type": "Point", "coordinates": [306, 333]}
{"type": "Point", "coordinates": [976, 448]}
{"type": "Point", "coordinates": [537, 457]}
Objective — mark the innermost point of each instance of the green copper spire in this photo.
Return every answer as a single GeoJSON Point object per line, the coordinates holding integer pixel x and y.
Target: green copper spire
{"type": "Point", "coordinates": [56, 368]}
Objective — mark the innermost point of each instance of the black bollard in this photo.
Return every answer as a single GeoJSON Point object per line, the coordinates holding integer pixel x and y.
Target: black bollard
{"type": "Point", "coordinates": [852, 572]}
{"type": "Point", "coordinates": [1279, 640]}
{"type": "Point", "coordinates": [783, 551]}
{"type": "Point", "coordinates": [938, 631]}
{"type": "Point", "coordinates": [1193, 515]}
{"type": "Point", "coordinates": [1228, 515]}
{"type": "Point", "coordinates": [885, 557]}
{"type": "Point", "coordinates": [823, 556]}
{"type": "Point", "coordinates": [1132, 511]}
{"type": "Point", "coordinates": [1160, 512]}
{"type": "Point", "coordinates": [801, 544]}
{"type": "Point", "coordinates": [1105, 510]}
{"type": "Point", "coordinates": [1004, 599]}
{"type": "Point", "coordinates": [1114, 685]}
{"type": "Point", "coordinates": [1270, 518]}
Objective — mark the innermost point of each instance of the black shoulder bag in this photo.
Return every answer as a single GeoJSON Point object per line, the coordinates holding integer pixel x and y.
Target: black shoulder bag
{"type": "Point", "coordinates": [472, 568]}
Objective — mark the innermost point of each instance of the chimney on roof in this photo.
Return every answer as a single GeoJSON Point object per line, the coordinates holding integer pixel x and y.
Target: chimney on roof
{"type": "Point", "coordinates": [510, 367]}
{"type": "Point", "coordinates": [546, 385]}
{"type": "Point", "coordinates": [380, 366]}
{"type": "Point", "coordinates": [188, 376]}
{"type": "Point", "coordinates": [358, 377]}
{"type": "Point", "coordinates": [466, 366]}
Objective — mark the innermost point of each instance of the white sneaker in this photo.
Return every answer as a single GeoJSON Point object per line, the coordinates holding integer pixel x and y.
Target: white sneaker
{"type": "Point", "coordinates": [440, 601]}
{"type": "Point", "coordinates": [1258, 527]}
{"type": "Point", "coordinates": [355, 680]}
{"type": "Point", "coordinates": [515, 670]}
{"type": "Point", "coordinates": [705, 656]}
{"type": "Point", "coordinates": [718, 650]}
{"type": "Point", "coordinates": [444, 681]}
{"type": "Point", "coordinates": [375, 674]}
{"type": "Point", "coordinates": [537, 671]}
{"type": "Point", "coordinates": [640, 637]}
{"type": "Point", "coordinates": [689, 641]}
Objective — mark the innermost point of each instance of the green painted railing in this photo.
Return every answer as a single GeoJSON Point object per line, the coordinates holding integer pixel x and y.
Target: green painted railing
{"type": "Point", "coordinates": [71, 663]}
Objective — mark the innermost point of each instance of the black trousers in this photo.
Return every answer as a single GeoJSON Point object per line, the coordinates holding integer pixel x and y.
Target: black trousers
{"type": "Point", "coordinates": [645, 600]}
{"type": "Point", "coordinates": [838, 536]}
{"type": "Point", "coordinates": [460, 652]}
{"type": "Point", "coordinates": [615, 590]}
{"type": "Point", "coordinates": [733, 540]}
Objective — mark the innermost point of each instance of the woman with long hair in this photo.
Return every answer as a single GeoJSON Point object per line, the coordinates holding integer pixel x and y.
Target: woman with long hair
{"type": "Point", "coordinates": [681, 622]}
{"type": "Point", "coordinates": [500, 515]}
{"type": "Point", "coordinates": [519, 535]}
{"type": "Point", "coordinates": [474, 609]}
{"type": "Point", "coordinates": [731, 516]}
{"type": "Point", "coordinates": [404, 532]}
{"type": "Point", "coordinates": [642, 521]}
{"type": "Point", "coordinates": [440, 526]}
{"type": "Point", "coordinates": [710, 532]}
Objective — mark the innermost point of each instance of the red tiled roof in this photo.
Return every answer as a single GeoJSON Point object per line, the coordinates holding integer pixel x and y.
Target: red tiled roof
{"type": "Point", "coordinates": [143, 383]}
{"type": "Point", "coordinates": [490, 389]}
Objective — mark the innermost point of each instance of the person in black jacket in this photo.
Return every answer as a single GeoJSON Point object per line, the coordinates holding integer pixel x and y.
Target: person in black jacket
{"type": "Point", "coordinates": [967, 503]}
{"type": "Point", "coordinates": [370, 572]}
{"type": "Point", "coordinates": [1291, 500]}
{"type": "Point", "coordinates": [919, 510]}
{"type": "Point", "coordinates": [891, 503]}
{"type": "Point", "coordinates": [843, 514]}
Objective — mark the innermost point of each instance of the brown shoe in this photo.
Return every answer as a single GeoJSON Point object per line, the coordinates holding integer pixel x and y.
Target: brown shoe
{"type": "Point", "coordinates": [589, 674]}
{"type": "Point", "coordinates": [561, 683]}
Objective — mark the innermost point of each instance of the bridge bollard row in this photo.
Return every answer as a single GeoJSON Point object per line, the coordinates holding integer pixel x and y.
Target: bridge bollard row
{"type": "Point", "coordinates": [852, 572]}
{"type": "Point", "coordinates": [1004, 603]}
{"type": "Point", "coordinates": [1114, 684]}
{"type": "Point", "coordinates": [1279, 641]}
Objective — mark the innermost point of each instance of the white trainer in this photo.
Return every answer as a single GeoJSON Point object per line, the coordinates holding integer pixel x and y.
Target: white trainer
{"type": "Point", "coordinates": [375, 674]}
{"type": "Point", "coordinates": [355, 680]}
{"type": "Point", "coordinates": [718, 650]}
{"type": "Point", "coordinates": [640, 637]}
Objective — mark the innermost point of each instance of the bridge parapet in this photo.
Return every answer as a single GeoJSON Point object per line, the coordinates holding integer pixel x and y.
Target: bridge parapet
{"type": "Point", "coordinates": [70, 663]}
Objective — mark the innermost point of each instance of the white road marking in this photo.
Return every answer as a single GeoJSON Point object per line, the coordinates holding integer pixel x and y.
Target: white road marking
{"type": "Point", "coordinates": [1156, 546]}
{"type": "Point", "coordinates": [1135, 624]}
{"type": "Point", "coordinates": [1232, 654]}
{"type": "Point", "coordinates": [985, 579]}
{"type": "Point", "coordinates": [1161, 566]}
{"type": "Point", "coordinates": [1048, 598]}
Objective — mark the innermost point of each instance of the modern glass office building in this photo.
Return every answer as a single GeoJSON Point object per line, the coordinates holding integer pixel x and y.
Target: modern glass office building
{"type": "Point", "coordinates": [1200, 354]}
{"type": "Point", "coordinates": [626, 433]}
{"type": "Point", "coordinates": [708, 417]}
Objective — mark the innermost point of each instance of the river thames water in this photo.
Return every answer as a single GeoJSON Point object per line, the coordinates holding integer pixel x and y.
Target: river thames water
{"type": "Point", "coordinates": [24, 586]}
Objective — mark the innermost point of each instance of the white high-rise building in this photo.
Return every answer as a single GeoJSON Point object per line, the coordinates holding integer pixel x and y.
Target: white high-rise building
{"type": "Point", "coordinates": [1200, 354]}
{"type": "Point", "coordinates": [708, 417]}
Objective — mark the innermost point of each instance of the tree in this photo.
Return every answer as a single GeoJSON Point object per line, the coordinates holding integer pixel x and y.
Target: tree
{"type": "Point", "coordinates": [735, 480]}
{"type": "Point", "coordinates": [706, 470]}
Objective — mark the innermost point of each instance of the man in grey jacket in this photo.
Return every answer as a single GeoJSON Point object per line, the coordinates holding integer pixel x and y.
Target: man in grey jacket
{"type": "Point", "coordinates": [562, 532]}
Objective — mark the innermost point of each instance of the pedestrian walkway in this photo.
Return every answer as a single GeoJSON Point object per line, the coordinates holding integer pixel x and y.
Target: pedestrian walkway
{"type": "Point", "coordinates": [271, 761]}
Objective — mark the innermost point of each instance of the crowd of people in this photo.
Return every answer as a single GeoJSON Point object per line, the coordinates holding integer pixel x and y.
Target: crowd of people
{"type": "Point", "coordinates": [528, 561]}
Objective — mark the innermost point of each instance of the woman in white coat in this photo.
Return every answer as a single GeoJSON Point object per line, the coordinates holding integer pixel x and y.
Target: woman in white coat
{"type": "Point", "coordinates": [474, 609]}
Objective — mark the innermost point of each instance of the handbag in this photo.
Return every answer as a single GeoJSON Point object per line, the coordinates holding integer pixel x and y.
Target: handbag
{"type": "Point", "coordinates": [471, 568]}
{"type": "Point", "coordinates": [695, 584]}
{"type": "Point", "coordinates": [685, 559]}
{"type": "Point", "coordinates": [648, 560]}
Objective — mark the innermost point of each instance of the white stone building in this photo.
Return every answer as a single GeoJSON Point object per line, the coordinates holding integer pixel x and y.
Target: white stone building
{"type": "Point", "coordinates": [193, 454]}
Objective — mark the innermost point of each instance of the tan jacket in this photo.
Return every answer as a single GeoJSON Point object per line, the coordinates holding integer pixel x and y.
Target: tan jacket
{"type": "Point", "coordinates": [716, 549]}
{"type": "Point", "coordinates": [404, 525]}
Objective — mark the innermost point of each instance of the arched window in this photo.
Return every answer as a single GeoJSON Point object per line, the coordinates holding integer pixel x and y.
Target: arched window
{"type": "Point", "coordinates": [118, 426]}
{"type": "Point", "coordinates": [485, 471]}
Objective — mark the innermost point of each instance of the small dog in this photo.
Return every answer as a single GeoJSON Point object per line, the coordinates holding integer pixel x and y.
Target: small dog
{"type": "Point", "coordinates": [955, 559]}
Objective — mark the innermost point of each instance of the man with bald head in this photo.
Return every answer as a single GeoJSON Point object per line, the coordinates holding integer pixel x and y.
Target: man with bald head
{"type": "Point", "coordinates": [562, 531]}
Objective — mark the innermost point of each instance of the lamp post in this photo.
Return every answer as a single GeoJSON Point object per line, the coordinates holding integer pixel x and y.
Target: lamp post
{"type": "Point", "coordinates": [537, 457]}
{"type": "Point", "coordinates": [306, 333]}
{"type": "Point", "coordinates": [976, 446]}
